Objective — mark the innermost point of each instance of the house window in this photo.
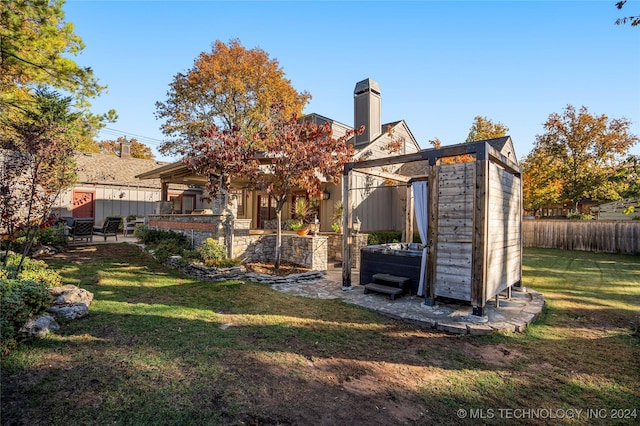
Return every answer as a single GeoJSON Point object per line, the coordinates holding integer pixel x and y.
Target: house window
{"type": "Point", "coordinates": [266, 209]}
{"type": "Point", "coordinates": [241, 195]}
{"type": "Point", "coordinates": [182, 204]}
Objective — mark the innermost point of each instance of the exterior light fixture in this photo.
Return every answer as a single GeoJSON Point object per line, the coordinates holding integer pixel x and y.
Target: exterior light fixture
{"type": "Point", "coordinates": [326, 195]}
{"type": "Point", "coordinates": [356, 225]}
{"type": "Point", "coordinates": [314, 226]}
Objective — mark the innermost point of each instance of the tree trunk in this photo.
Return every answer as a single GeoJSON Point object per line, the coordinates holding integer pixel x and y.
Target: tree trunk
{"type": "Point", "coordinates": [278, 250]}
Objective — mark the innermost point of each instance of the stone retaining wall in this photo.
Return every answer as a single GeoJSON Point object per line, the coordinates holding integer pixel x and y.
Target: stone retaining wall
{"type": "Point", "coordinates": [308, 251]}
{"type": "Point", "coordinates": [196, 227]}
{"type": "Point", "coordinates": [205, 273]}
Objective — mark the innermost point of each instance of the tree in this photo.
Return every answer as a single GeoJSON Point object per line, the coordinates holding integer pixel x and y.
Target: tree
{"type": "Point", "coordinates": [37, 165]}
{"type": "Point", "coordinates": [230, 87]}
{"type": "Point", "coordinates": [138, 149]}
{"type": "Point", "coordinates": [483, 128]}
{"type": "Point", "coordinates": [36, 46]}
{"type": "Point", "coordinates": [633, 20]}
{"type": "Point", "coordinates": [584, 151]}
{"type": "Point", "coordinates": [296, 156]}
{"type": "Point", "coordinates": [221, 155]}
{"type": "Point", "coordinates": [541, 185]}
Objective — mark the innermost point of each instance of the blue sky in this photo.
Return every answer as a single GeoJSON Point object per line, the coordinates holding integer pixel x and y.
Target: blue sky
{"type": "Point", "coordinates": [438, 64]}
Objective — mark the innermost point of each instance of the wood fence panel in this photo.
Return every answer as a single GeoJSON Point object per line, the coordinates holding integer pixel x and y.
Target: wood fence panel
{"type": "Point", "coordinates": [594, 235]}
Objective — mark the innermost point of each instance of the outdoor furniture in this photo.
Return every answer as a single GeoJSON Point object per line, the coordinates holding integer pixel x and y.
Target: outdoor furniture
{"type": "Point", "coordinates": [81, 229]}
{"type": "Point", "coordinates": [109, 228]}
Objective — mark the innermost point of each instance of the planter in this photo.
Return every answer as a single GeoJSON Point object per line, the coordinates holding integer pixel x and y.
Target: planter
{"type": "Point", "coordinates": [302, 231]}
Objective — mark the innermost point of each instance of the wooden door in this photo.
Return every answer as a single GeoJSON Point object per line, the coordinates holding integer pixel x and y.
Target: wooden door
{"type": "Point", "coordinates": [83, 204]}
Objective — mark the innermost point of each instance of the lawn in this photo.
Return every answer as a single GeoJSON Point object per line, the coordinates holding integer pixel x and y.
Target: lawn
{"type": "Point", "coordinates": [162, 348]}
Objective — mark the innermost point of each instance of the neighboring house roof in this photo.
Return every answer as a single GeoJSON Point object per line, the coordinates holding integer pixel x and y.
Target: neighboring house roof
{"type": "Point", "coordinates": [106, 169]}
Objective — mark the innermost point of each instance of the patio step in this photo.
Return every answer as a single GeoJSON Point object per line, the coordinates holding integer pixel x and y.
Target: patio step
{"type": "Point", "coordinates": [392, 285]}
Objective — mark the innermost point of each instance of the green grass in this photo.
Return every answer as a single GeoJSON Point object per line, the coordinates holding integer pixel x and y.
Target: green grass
{"type": "Point", "coordinates": [162, 348]}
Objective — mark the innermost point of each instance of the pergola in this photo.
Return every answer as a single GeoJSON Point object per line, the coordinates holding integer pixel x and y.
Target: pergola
{"type": "Point", "coordinates": [470, 206]}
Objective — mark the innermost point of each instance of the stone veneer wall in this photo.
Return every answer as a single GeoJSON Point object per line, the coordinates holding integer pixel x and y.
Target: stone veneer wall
{"type": "Point", "coordinates": [335, 247]}
{"type": "Point", "coordinates": [308, 251]}
{"type": "Point", "coordinates": [195, 226]}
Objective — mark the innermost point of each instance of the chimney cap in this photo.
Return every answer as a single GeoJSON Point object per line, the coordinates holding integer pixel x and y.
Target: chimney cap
{"type": "Point", "coordinates": [366, 85]}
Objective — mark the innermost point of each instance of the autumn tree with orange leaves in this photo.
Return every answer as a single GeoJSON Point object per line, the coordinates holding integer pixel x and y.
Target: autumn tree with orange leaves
{"type": "Point", "coordinates": [138, 149]}
{"type": "Point", "coordinates": [296, 156]}
{"type": "Point", "coordinates": [230, 87]}
{"type": "Point", "coordinates": [576, 159]}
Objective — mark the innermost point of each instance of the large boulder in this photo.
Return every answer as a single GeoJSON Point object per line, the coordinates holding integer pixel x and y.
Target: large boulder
{"type": "Point", "coordinates": [70, 295]}
{"type": "Point", "coordinates": [69, 312]}
{"type": "Point", "coordinates": [70, 302]}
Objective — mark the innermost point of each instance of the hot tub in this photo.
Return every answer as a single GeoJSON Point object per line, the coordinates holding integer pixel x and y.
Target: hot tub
{"type": "Point", "coordinates": [399, 259]}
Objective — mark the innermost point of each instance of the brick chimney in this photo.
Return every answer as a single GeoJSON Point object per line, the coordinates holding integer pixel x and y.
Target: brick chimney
{"type": "Point", "coordinates": [367, 111]}
{"type": "Point", "coordinates": [125, 149]}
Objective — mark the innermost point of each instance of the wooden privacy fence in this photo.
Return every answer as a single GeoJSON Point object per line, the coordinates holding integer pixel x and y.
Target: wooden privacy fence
{"type": "Point", "coordinates": [593, 235]}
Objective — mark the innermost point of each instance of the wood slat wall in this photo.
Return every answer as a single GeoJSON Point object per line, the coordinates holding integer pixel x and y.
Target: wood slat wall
{"type": "Point", "coordinates": [594, 235]}
{"type": "Point", "coordinates": [504, 236]}
{"type": "Point", "coordinates": [453, 263]}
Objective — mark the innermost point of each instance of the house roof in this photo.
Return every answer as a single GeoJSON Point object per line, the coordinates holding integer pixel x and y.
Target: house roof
{"type": "Point", "coordinates": [107, 169]}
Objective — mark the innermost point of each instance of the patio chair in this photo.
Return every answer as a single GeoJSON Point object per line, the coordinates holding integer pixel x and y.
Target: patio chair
{"type": "Point", "coordinates": [109, 227]}
{"type": "Point", "coordinates": [81, 229]}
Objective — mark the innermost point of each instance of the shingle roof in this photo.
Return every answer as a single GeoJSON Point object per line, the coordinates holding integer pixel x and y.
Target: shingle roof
{"type": "Point", "coordinates": [112, 169]}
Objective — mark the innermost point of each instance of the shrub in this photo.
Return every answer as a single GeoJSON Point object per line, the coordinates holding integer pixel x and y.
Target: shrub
{"type": "Point", "coordinates": [151, 237]}
{"type": "Point", "coordinates": [35, 270]}
{"type": "Point", "coordinates": [50, 236]}
{"type": "Point", "coordinates": [19, 300]}
{"type": "Point", "coordinates": [579, 216]}
{"type": "Point", "coordinates": [223, 263]}
{"type": "Point", "coordinates": [212, 250]}
{"type": "Point", "coordinates": [170, 247]}
{"type": "Point", "coordinates": [384, 237]}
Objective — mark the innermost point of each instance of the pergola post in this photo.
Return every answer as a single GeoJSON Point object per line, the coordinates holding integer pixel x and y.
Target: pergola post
{"type": "Point", "coordinates": [346, 230]}
{"type": "Point", "coordinates": [408, 217]}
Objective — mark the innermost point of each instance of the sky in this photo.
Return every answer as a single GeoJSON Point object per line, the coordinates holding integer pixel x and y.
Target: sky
{"type": "Point", "coordinates": [439, 64]}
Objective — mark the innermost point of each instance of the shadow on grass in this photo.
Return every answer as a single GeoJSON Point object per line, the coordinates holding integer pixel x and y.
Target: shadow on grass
{"type": "Point", "coordinates": [166, 349]}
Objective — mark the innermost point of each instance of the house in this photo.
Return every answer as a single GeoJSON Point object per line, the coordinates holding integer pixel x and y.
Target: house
{"type": "Point", "coordinates": [379, 199]}
{"type": "Point", "coordinates": [615, 210]}
{"type": "Point", "coordinates": [107, 186]}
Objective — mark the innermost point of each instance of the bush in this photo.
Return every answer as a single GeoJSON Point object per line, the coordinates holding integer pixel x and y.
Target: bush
{"type": "Point", "coordinates": [384, 237]}
{"type": "Point", "coordinates": [19, 300]}
{"type": "Point", "coordinates": [35, 270]}
{"type": "Point", "coordinates": [579, 216]}
{"type": "Point", "coordinates": [151, 237]}
{"type": "Point", "coordinates": [164, 244]}
{"type": "Point", "coordinates": [223, 263]}
{"type": "Point", "coordinates": [49, 236]}
{"type": "Point", "coordinates": [170, 247]}
{"type": "Point", "coordinates": [212, 250]}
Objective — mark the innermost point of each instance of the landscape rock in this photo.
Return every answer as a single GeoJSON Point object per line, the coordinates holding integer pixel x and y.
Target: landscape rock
{"type": "Point", "coordinates": [71, 295]}
{"type": "Point", "coordinates": [39, 326]}
{"type": "Point", "coordinates": [69, 312]}
{"type": "Point", "coordinates": [43, 251]}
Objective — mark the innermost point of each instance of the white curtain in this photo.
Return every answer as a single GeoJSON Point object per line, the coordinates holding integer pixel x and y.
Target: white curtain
{"type": "Point", "coordinates": [420, 195]}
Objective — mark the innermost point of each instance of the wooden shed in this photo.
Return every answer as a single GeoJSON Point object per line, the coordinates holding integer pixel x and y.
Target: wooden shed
{"type": "Point", "coordinates": [473, 210]}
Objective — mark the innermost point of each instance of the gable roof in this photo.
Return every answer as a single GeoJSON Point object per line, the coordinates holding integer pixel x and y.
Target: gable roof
{"type": "Point", "coordinates": [107, 169]}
